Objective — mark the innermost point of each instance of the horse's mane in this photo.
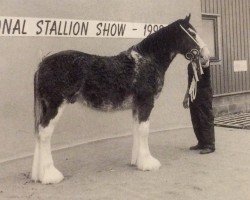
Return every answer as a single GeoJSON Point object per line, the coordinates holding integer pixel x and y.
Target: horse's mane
{"type": "Point", "coordinates": [160, 42]}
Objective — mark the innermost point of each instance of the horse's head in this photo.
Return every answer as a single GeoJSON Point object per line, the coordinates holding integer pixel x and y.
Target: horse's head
{"type": "Point", "coordinates": [189, 40]}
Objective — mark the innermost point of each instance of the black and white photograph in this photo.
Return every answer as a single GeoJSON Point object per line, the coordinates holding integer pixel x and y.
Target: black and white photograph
{"type": "Point", "coordinates": [118, 100]}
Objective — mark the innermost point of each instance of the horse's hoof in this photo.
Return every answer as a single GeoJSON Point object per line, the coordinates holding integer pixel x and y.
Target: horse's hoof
{"type": "Point", "coordinates": [51, 176]}
{"type": "Point", "coordinates": [148, 163]}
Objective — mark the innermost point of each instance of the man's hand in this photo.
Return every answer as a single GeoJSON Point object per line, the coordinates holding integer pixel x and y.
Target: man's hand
{"type": "Point", "coordinates": [205, 57]}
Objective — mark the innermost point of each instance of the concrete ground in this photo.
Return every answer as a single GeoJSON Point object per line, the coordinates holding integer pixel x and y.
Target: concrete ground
{"type": "Point", "coordinates": [100, 170]}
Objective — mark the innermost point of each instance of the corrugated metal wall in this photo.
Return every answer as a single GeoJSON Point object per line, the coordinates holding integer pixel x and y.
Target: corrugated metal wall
{"type": "Point", "coordinates": [235, 40]}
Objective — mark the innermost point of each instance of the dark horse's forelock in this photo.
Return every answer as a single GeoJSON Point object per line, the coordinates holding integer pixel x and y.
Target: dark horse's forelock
{"type": "Point", "coordinates": [131, 80]}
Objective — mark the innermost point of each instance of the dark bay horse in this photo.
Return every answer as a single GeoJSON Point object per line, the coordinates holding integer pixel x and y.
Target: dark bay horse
{"type": "Point", "coordinates": [131, 80]}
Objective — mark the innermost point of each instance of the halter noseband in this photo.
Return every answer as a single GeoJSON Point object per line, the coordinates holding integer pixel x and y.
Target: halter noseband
{"type": "Point", "coordinates": [193, 54]}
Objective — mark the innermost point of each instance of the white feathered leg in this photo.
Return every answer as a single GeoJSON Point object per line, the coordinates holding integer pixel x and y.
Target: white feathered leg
{"type": "Point", "coordinates": [144, 160]}
{"type": "Point", "coordinates": [43, 168]}
{"type": "Point", "coordinates": [135, 147]}
{"type": "Point", "coordinates": [35, 166]}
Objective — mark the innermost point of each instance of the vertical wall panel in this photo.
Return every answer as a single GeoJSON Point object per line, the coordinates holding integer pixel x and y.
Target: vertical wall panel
{"type": "Point", "coordinates": [243, 55]}
{"type": "Point", "coordinates": [235, 36]}
{"type": "Point", "coordinates": [222, 74]}
{"type": "Point", "coordinates": [230, 51]}
{"type": "Point", "coordinates": [221, 5]}
{"type": "Point", "coordinates": [234, 47]}
{"type": "Point", "coordinates": [203, 6]}
{"type": "Point", "coordinates": [226, 67]}
{"type": "Point", "coordinates": [247, 23]}
{"type": "Point", "coordinates": [239, 36]}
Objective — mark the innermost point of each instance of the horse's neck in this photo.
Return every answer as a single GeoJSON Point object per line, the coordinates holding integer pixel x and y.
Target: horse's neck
{"type": "Point", "coordinates": [161, 48]}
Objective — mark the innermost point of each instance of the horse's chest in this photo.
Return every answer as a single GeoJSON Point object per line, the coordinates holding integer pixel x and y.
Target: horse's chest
{"type": "Point", "coordinates": [159, 86]}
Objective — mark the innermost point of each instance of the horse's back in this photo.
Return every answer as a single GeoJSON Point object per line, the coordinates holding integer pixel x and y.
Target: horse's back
{"type": "Point", "coordinates": [109, 82]}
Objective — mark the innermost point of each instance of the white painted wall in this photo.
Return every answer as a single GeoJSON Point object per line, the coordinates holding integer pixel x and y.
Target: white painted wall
{"type": "Point", "coordinates": [19, 57]}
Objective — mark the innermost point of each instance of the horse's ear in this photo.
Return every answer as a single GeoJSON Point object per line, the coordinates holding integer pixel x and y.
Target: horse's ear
{"type": "Point", "coordinates": [187, 19]}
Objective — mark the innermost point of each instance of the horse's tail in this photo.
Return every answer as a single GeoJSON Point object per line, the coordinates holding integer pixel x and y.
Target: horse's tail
{"type": "Point", "coordinates": [37, 104]}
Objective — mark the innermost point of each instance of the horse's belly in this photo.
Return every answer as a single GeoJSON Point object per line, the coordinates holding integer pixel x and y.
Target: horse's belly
{"type": "Point", "coordinates": [109, 106]}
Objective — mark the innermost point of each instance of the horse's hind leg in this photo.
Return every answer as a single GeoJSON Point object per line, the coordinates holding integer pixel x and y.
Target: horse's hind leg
{"type": "Point", "coordinates": [43, 167]}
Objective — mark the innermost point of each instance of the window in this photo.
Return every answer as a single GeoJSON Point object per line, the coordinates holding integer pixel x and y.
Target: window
{"type": "Point", "coordinates": [210, 34]}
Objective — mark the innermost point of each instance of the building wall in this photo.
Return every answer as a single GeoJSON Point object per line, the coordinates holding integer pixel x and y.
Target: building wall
{"type": "Point", "coordinates": [224, 105]}
{"type": "Point", "coordinates": [21, 55]}
{"type": "Point", "coordinates": [231, 89]}
{"type": "Point", "coordinates": [235, 38]}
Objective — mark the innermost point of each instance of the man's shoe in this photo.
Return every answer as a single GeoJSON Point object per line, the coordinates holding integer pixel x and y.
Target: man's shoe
{"type": "Point", "coordinates": [207, 150]}
{"type": "Point", "coordinates": [196, 147]}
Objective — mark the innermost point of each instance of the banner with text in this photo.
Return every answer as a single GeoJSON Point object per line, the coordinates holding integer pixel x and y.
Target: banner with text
{"type": "Point", "coordinates": [48, 27]}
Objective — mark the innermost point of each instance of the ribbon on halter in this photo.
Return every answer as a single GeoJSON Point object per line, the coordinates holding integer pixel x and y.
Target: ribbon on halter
{"type": "Point", "coordinates": [197, 76]}
{"type": "Point", "coordinates": [193, 56]}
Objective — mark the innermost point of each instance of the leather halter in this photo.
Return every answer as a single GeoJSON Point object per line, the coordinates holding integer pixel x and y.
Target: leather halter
{"type": "Point", "coordinates": [193, 54]}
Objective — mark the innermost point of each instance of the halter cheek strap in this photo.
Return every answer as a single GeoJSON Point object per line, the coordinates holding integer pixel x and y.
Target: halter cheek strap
{"type": "Point", "coordinates": [198, 40]}
{"type": "Point", "coordinates": [189, 35]}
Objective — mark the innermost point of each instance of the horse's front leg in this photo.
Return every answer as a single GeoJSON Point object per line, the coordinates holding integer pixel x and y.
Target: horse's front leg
{"type": "Point", "coordinates": [141, 156]}
{"type": "Point", "coordinates": [135, 148]}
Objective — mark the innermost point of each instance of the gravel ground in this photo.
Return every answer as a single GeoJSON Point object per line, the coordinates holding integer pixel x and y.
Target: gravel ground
{"type": "Point", "coordinates": [100, 170]}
